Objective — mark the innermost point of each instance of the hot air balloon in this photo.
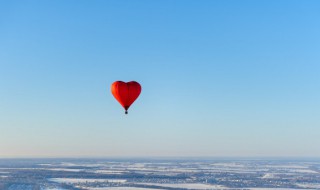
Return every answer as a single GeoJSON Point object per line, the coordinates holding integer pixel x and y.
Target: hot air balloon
{"type": "Point", "coordinates": [125, 93]}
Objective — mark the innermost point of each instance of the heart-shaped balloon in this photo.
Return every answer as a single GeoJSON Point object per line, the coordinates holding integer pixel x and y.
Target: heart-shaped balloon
{"type": "Point", "coordinates": [125, 92]}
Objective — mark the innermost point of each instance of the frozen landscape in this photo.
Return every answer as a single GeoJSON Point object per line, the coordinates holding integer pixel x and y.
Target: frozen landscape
{"type": "Point", "coordinates": [148, 174]}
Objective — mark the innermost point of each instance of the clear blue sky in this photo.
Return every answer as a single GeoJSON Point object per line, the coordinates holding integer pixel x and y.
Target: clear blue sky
{"type": "Point", "coordinates": [219, 78]}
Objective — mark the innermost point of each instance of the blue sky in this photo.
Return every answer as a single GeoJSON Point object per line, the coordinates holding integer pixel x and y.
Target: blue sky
{"type": "Point", "coordinates": [219, 78]}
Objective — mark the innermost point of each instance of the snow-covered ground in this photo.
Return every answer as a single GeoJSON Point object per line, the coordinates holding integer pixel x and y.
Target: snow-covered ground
{"type": "Point", "coordinates": [52, 169]}
{"type": "Point", "coordinates": [268, 176]}
{"type": "Point", "coordinates": [65, 169]}
{"type": "Point", "coordinates": [120, 188]}
{"type": "Point", "coordinates": [302, 171]}
{"type": "Point", "coordinates": [110, 172]}
{"type": "Point", "coordinates": [268, 189]}
{"type": "Point", "coordinates": [79, 180]}
{"type": "Point", "coordinates": [309, 185]}
{"type": "Point", "coordinates": [198, 186]}
{"type": "Point", "coordinates": [226, 165]}
{"type": "Point", "coordinates": [137, 175]}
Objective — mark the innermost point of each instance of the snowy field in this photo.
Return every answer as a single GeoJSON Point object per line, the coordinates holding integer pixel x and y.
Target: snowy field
{"type": "Point", "coordinates": [160, 174]}
{"type": "Point", "coordinates": [198, 186]}
{"type": "Point", "coordinates": [77, 180]}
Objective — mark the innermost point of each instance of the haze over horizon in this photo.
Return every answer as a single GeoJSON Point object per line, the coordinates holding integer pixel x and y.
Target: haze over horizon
{"type": "Point", "coordinates": [219, 78]}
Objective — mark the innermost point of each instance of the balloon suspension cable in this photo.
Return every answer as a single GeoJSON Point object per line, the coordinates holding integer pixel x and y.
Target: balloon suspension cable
{"type": "Point", "coordinates": [126, 112]}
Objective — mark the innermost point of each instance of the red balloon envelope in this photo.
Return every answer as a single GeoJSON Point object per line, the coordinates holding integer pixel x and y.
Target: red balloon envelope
{"type": "Point", "coordinates": [125, 92]}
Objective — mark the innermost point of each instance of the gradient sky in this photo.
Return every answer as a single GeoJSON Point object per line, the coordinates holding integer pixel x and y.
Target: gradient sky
{"type": "Point", "coordinates": [219, 78]}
